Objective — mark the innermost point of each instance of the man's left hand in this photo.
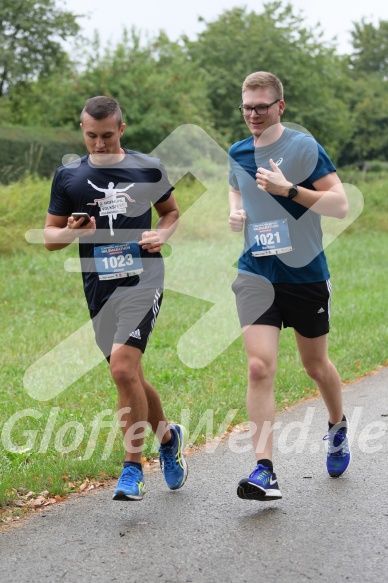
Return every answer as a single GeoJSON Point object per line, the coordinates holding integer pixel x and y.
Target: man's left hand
{"type": "Point", "coordinates": [273, 181]}
{"type": "Point", "coordinates": [151, 241]}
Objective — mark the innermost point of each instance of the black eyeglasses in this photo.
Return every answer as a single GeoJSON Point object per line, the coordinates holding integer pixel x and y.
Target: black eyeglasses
{"type": "Point", "coordinates": [246, 110]}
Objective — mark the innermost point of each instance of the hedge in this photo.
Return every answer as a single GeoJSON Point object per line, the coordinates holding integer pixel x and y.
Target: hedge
{"type": "Point", "coordinates": [25, 150]}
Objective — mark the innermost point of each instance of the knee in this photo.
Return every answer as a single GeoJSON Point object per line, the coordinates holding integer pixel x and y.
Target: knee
{"type": "Point", "coordinates": [259, 370]}
{"type": "Point", "coordinates": [123, 376]}
{"type": "Point", "coordinates": [316, 371]}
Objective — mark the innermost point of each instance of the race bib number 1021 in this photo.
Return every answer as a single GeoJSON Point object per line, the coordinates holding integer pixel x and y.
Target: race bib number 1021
{"type": "Point", "coordinates": [269, 238]}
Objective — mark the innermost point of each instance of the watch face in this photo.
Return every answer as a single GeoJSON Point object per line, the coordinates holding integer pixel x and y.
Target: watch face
{"type": "Point", "coordinates": [292, 192]}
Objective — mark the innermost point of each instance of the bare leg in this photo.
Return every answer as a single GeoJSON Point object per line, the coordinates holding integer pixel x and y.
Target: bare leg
{"type": "Point", "coordinates": [261, 343]}
{"type": "Point", "coordinates": [314, 356]}
{"type": "Point", "coordinates": [156, 417]}
{"type": "Point", "coordinates": [138, 396]}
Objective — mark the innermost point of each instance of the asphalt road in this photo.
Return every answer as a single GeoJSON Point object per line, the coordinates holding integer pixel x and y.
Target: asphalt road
{"type": "Point", "coordinates": [324, 529]}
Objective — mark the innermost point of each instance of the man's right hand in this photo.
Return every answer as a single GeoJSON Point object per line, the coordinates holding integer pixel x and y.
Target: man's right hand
{"type": "Point", "coordinates": [236, 220]}
{"type": "Point", "coordinates": [83, 230]}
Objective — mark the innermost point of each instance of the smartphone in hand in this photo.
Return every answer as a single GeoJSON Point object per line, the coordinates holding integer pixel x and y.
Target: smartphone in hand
{"type": "Point", "coordinates": [84, 216]}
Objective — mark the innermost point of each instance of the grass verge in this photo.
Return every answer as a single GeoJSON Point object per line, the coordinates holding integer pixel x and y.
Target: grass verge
{"type": "Point", "coordinates": [54, 446]}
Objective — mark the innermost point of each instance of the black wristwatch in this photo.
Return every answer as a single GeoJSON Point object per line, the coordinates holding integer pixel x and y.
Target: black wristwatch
{"type": "Point", "coordinates": [293, 191]}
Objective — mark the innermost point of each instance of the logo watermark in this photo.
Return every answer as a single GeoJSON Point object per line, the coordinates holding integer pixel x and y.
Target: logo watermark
{"type": "Point", "coordinates": [201, 265]}
{"type": "Point", "coordinates": [294, 437]}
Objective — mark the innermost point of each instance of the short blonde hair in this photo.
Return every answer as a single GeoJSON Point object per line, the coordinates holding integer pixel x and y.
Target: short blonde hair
{"type": "Point", "coordinates": [263, 79]}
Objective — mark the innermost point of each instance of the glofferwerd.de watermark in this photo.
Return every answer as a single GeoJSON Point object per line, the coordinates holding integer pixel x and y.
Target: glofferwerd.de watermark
{"type": "Point", "coordinates": [101, 433]}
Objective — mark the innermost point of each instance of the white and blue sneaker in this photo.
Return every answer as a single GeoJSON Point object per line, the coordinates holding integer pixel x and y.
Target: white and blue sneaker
{"type": "Point", "coordinates": [130, 485]}
{"type": "Point", "coordinates": [261, 485]}
{"type": "Point", "coordinates": [338, 452]}
{"type": "Point", "coordinates": [172, 462]}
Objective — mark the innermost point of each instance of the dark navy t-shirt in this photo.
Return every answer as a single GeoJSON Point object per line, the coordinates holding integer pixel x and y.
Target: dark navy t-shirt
{"type": "Point", "coordinates": [302, 161]}
{"type": "Point", "coordinates": [120, 198]}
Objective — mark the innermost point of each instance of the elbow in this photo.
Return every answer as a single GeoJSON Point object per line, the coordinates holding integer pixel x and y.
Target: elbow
{"type": "Point", "coordinates": [47, 244]}
{"type": "Point", "coordinates": [175, 218]}
{"type": "Point", "coordinates": [343, 206]}
{"type": "Point", "coordinates": [343, 210]}
{"type": "Point", "coordinates": [50, 246]}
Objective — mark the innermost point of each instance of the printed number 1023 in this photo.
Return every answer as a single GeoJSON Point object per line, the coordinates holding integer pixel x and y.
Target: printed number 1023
{"type": "Point", "coordinates": [117, 261]}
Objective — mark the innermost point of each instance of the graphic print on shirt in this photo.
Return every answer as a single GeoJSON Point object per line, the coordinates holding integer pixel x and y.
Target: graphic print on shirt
{"type": "Point", "coordinates": [113, 203]}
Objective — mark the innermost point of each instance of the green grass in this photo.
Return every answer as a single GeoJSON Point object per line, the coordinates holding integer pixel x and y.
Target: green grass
{"type": "Point", "coordinates": [41, 304]}
{"type": "Point", "coordinates": [23, 206]}
{"type": "Point", "coordinates": [373, 187]}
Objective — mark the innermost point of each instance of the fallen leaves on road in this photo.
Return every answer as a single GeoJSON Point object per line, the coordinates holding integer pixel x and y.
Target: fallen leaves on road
{"type": "Point", "coordinates": [25, 503]}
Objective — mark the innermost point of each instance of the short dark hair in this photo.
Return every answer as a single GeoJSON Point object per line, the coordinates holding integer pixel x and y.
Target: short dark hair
{"type": "Point", "coordinates": [101, 106]}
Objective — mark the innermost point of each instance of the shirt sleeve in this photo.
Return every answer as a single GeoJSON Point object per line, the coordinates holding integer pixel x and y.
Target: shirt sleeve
{"type": "Point", "coordinates": [165, 188]}
{"type": "Point", "coordinates": [232, 175]}
{"type": "Point", "coordinates": [323, 166]}
{"type": "Point", "coordinates": [60, 204]}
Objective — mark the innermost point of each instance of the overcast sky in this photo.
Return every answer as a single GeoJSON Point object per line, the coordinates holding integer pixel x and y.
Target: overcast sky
{"type": "Point", "coordinates": [178, 17]}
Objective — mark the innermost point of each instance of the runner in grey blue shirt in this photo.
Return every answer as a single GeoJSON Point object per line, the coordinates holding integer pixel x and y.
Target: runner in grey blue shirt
{"type": "Point", "coordinates": [281, 182]}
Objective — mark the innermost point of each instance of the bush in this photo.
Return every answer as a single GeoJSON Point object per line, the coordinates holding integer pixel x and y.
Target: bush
{"type": "Point", "coordinates": [23, 206]}
{"type": "Point", "coordinates": [35, 151]}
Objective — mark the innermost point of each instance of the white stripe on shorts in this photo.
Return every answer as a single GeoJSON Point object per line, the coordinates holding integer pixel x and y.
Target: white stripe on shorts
{"type": "Point", "coordinates": [155, 309]}
{"type": "Point", "coordinates": [329, 288]}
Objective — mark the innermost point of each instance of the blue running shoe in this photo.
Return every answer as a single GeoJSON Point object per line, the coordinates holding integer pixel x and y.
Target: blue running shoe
{"type": "Point", "coordinates": [338, 452]}
{"type": "Point", "coordinates": [261, 484]}
{"type": "Point", "coordinates": [172, 462]}
{"type": "Point", "coordinates": [130, 485]}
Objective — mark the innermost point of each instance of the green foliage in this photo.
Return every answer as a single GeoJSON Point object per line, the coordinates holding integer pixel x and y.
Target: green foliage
{"type": "Point", "coordinates": [367, 70]}
{"type": "Point", "coordinates": [35, 151]}
{"type": "Point", "coordinates": [368, 104]}
{"type": "Point", "coordinates": [153, 83]}
{"type": "Point", "coordinates": [51, 101]}
{"type": "Point", "coordinates": [370, 45]}
{"type": "Point", "coordinates": [276, 41]}
{"type": "Point", "coordinates": [372, 181]}
{"type": "Point", "coordinates": [29, 33]}
{"type": "Point", "coordinates": [155, 88]}
{"type": "Point", "coordinates": [23, 206]}
{"type": "Point", "coordinates": [341, 100]}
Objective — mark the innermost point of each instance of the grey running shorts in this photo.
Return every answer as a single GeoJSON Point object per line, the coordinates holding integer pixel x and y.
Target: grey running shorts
{"type": "Point", "coordinates": [127, 317]}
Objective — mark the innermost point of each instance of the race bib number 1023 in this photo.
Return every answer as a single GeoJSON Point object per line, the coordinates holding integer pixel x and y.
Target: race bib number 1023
{"type": "Point", "coordinates": [269, 238]}
{"type": "Point", "coordinates": [118, 260]}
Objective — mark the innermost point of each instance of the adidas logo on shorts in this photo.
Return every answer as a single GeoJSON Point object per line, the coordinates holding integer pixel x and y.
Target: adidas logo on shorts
{"type": "Point", "coordinates": [321, 311]}
{"type": "Point", "coordinates": [135, 334]}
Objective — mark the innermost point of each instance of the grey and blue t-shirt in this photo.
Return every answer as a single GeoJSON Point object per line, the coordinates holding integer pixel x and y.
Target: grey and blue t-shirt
{"type": "Point", "coordinates": [302, 161]}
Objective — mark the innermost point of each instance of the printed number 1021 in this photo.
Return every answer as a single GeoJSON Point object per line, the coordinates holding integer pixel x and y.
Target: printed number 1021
{"type": "Point", "coordinates": [267, 238]}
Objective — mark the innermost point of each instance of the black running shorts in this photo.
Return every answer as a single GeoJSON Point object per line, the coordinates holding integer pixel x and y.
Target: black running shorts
{"type": "Point", "coordinates": [302, 306]}
{"type": "Point", "coordinates": [128, 317]}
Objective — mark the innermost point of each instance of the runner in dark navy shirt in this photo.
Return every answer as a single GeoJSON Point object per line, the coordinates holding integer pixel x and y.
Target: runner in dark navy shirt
{"type": "Point", "coordinates": [122, 270]}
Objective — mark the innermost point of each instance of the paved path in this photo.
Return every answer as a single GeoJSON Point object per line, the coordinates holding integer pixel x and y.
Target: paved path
{"type": "Point", "coordinates": [324, 529]}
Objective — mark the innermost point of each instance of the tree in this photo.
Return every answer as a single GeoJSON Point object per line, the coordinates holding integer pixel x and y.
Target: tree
{"type": "Point", "coordinates": [368, 96]}
{"type": "Point", "coordinates": [155, 83]}
{"type": "Point", "coordinates": [369, 107]}
{"type": "Point", "coordinates": [30, 31]}
{"type": "Point", "coordinates": [238, 43]}
{"type": "Point", "coordinates": [370, 45]}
